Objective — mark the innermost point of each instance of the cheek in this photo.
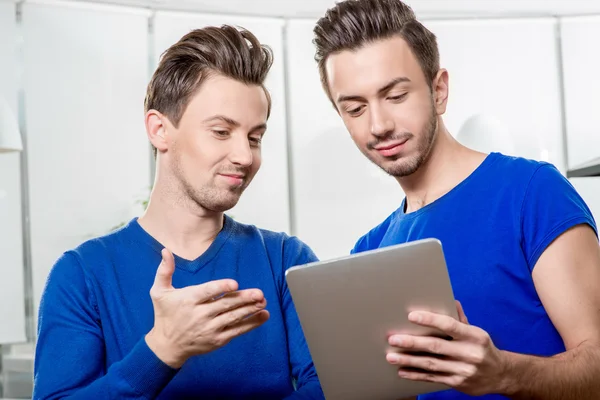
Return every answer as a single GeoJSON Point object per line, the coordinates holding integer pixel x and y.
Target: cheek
{"type": "Point", "coordinates": [200, 164]}
{"type": "Point", "coordinates": [210, 152]}
{"type": "Point", "coordinates": [256, 160]}
{"type": "Point", "coordinates": [191, 149]}
{"type": "Point", "coordinates": [421, 124]}
{"type": "Point", "coordinates": [359, 129]}
{"type": "Point", "coordinates": [412, 118]}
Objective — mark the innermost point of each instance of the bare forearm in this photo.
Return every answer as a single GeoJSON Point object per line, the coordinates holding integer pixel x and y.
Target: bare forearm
{"type": "Point", "coordinates": [572, 375]}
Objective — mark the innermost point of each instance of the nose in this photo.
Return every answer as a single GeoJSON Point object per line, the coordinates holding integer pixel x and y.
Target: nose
{"type": "Point", "coordinates": [381, 122]}
{"type": "Point", "coordinates": [240, 152]}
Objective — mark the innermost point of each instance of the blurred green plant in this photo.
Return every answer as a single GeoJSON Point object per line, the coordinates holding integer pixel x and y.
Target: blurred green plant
{"type": "Point", "coordinates": [142, 202]}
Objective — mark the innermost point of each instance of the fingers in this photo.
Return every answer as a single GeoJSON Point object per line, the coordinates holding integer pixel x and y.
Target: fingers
{"type": "Point", "coordinates": [238, 315]}
{"type": "Point", "coordinates": [468, 352]}
{"type": "Point", "coordinates": [164, 273]}
{"type": "Point", "coordinates": [231, 301]}
{"type": "Point", "coordinates": [448, 380]}
{"type": "Point", "coordinates": [244, 326]}
{"type": "Point", "coordinates": [430, 345]}
{"type": "Point", "coordinates": [211, 290]}
{"type": "Point", "coordinates": [461, 313]}
{"type": "Point", "coordinates": [429, 364]}
{"type": "Point", "coordinates": [444, 323]}
{"type": "Point", "coordinates": [434, 370]}
{"type": "Point", "coordinates": [247, 324]}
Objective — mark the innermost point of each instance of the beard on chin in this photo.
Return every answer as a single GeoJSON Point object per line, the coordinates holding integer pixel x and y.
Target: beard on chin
{"type": "Point", "coordinates": [402, 166]}
{"type": "Point", "coordinates": [214, 198]}
{"type": "Point", "coordinates": [209, 196]}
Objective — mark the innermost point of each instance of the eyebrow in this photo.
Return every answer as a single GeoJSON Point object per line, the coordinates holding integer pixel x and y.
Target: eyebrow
{"type": "Point", "coordinates": [234, 123]}
{"type": "Point", "coordinates": [382, 90]}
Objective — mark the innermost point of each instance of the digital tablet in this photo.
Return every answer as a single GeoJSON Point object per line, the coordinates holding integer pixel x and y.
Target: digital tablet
{"type": "Point", "coordinates": [349, 306]}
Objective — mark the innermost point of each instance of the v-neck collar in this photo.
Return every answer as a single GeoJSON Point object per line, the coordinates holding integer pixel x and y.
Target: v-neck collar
{"type": "Point", "coordinates": [229, 227]}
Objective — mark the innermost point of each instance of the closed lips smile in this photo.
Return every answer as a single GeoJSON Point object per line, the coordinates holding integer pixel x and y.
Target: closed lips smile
{"type": "Point", "coordinates": [390, 149]}
{"type": "Point", "coordinates": [233, 179]}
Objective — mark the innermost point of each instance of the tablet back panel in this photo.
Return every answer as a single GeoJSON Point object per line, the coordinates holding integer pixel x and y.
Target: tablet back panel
{"type": "Point", "coordinates": [349, 306]}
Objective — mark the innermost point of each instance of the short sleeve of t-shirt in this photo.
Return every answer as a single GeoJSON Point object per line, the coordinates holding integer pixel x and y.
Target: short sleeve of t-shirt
{"type": "Point", "coordinates": [551, 206]}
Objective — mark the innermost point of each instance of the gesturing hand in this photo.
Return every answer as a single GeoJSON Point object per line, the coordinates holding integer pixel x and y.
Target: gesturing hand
{"type": "Point", "coordinates": [469, 363]}
{"type": "Point", "coordinates": [199, 319]}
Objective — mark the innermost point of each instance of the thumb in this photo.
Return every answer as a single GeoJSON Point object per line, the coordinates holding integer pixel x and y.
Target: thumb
{"type": "Point", "coordinates": [164, 273]}
{"type": "Point", "coordinates": [461, 313]}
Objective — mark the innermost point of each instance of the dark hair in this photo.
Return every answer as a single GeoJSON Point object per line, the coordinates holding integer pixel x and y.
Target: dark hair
{"type": "Point", "coordinates": [183, 67]}
{"type": "Point", "coordinates": [353, 23]}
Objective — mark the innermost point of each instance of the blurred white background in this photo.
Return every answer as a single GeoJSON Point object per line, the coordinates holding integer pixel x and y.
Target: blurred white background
{"type": "Point", "coordinates": [73, 74]}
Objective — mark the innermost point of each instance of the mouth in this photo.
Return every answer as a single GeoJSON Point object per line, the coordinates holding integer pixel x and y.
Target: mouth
{"type": "Point", "coordinates": [234, 179]}
{"type": "Point", "coordinates": [390, 149]}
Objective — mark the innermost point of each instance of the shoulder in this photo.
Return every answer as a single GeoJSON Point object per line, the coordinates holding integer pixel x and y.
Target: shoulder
{"type": "Point", "coordinates": [70, 278]}
{"type": "Point", "coordinates": [517, 168]}
{"type": "Point", "coordinates": [542, 182]}
{"type": "Point", "coordinates": [549, 205]}
{"type": "Point", "coordinates": [281, 247]}
{"type": "Point", "coordinates": [520, 178]}
{"type": "Point", "coordinates": [99, 249]}
{"type": "Point", "coordinates": [372, 239]}
{"type": "Point", "coordinates": [89, 257]}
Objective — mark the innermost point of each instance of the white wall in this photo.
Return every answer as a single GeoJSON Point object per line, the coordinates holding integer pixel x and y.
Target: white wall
{"type": "Point", "coordinates": [423, 8]}
{"type": "Point", "coordinates": [85, 79]}
{"type": "Point", "coordinates": [265, 203]}
{"type": "Point", "coordinates": [12, 311]}
{"type": "Point", "coordinates": [506, 69]}
{"type": "Point", "coordinates": [581, 58]}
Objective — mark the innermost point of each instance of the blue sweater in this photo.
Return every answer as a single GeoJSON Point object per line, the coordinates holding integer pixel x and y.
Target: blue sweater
{"type": "Point", "coordinates": [96, 310]}
{"type": "Point", "coordinates": [494, 226]}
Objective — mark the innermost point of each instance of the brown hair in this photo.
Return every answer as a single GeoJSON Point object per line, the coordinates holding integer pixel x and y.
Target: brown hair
{"type": "Point", "coordinates": [183, 67]}
{"type": "Point", "coordinates": [353, 23]}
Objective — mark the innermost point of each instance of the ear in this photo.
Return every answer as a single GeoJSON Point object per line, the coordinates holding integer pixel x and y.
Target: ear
{"type": "Point", "coordinates": [440, 91]}
{"type": "Point", "coordinates": [156, 130]}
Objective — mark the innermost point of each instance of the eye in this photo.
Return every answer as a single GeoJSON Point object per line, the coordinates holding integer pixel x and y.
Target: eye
{"type": "Point", "coordinates": [397, 98]}
{"type": "Point", "coordinates": [220, 133]}
{"type": "Point", "coordinates": [354, 111]}
{"type": "Point", "coordinates": [255, 141]}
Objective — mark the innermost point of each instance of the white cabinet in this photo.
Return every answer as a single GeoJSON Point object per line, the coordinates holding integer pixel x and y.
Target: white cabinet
{"type": "Point", "coordinates": [506, 70]}
{"type": "Point", "coordinates": [581, 58]}
{"type": "Point", "coordinates": [582, 85]}
{"type": "Point", "coordinates": [12, 312]}
{"type": "Point", "coordinates": [265, 203]}
{"type": "Point", "coordinates": [89, 160]}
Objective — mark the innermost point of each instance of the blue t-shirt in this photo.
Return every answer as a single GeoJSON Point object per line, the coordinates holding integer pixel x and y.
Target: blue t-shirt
{"type": "Point", "coordinates": [493, 227]}
{"type": "Point", "coordinates": [96, 310]}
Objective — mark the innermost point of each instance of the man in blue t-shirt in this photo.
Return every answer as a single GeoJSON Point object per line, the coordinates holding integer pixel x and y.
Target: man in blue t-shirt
{"type": "Point", "coordinates": [122, 317]}
{"type": "Point", "coordinates": [520, 244]}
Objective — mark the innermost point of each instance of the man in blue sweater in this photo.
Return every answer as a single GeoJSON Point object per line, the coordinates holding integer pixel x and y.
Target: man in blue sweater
{"type": "Point", "coordinates": [122, 317]}
{"type": "Point", "coordinates": [520, 244]}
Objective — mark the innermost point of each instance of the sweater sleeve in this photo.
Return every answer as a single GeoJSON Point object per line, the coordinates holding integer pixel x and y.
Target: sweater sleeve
{"type": "Point", "coordinates": [70, 356]}
{"type": "Point", "coordinates": [303, 370]}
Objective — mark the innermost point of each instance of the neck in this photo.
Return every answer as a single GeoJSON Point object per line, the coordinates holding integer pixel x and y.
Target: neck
{"type": "Point", "coordinates": [447, 164]}
{"type": "Point", "coordinates": [177, 222]}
